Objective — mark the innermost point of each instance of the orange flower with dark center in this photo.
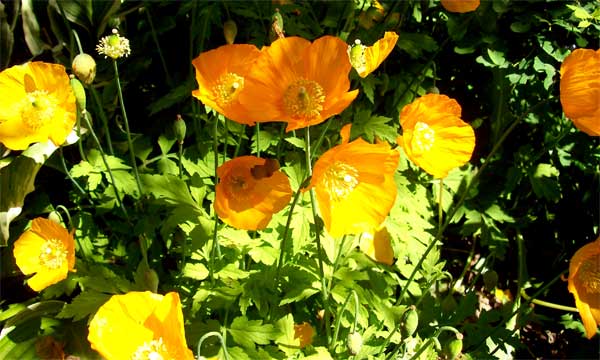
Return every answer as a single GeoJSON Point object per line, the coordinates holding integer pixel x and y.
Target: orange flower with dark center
{"type": "Point", "coordinates": [140, 325]}
{"type": "Point", "coordinates": [250, 191]}
{"type": "Point", "coordinates": [354, 184]}
{"type": "Point", "coordinates": [584, 284]}
{"type": "Point", "coordinates": [47, 250]}
{"type": "Point", "coordinates": [460, 6]}
{"type": "Point", "coordinates": [299, 82]}
{"type": "Point", "coordinates": [36, 105]}
{"type": "Point", "coordinates": [434, 136]}
{"type": "Point", "coordinates": [221, 76]}
{"type": "Point", "coordinates": [365, 59]}
{"type": "Point", "coordinates": [580, 89]}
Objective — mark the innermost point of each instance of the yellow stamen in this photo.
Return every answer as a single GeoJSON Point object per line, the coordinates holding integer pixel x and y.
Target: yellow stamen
{"type": "Point", "coordinates": [53, 254]}
{"type": "Point", "coordinates": [37, 109]}
{"type": "Point", "coordinates": [340, 180]}
{"type": "Point", "coordinates": [151, 350]}
{"type": "Point", "coordinates": [304, 99]}
{"type": "Point", "coordinates": [423, 138]}
{"type": "Point", "coordinates": [228, 88]}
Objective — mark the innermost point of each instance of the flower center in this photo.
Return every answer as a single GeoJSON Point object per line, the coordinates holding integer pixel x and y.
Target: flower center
{"type": "Point", "coordinates": [356, 54]}
{"type": "Point", "coordinates": [152, 350]}
{"type": "Point", "coordinates": [37, 109]}
{"type": "Point", "coordinates": [340, 179]}
{"type": "Point", "coordinates": [53, 254]}
{"type": "Point", "coordinates": [304, 99]}
{"type": "Point", "coordinates": [423, 138]}
{"type": "Point", "coordinates": [228, 88]}
{"type": "Point", "coordinates": [589, 274]}
{"type": "Point", "coordinates": [239, 185]}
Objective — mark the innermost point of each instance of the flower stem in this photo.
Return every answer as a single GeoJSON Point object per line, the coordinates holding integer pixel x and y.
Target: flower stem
{"type": "Point", "coordinates": [339, 318]}
{"type": "Point", "coordinates": [84, 114]}
{"type": "Point", "coordinates": [129, 142]}
{"type": "Point", "coordinates": [547, 303]}
{"type": "Point", "coordinates": [424, 346]}
{"type": "Point", "coordinates": [257, 139]}
{"type": "Point", "coordinates": [217, 334]}
{"type": "Point", "coordinates": [318, 236]}
{"type": "Point", "coordinates": [215, 243]}
{"type": "Point", "coordinates": [103, 119]}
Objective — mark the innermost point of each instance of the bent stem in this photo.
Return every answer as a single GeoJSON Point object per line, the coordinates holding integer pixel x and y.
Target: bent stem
{"type": "Point", "coordinates": [339, 318]}
{"type": "Point", "coordinates": [129, 142]}
{"type": "Point", "coordinates": [217, 334]}
{"type": "Point", "coordinates": [317, 235]}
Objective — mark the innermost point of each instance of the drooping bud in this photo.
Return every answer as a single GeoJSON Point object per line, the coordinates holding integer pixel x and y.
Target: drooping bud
{"type": "Point", "coordinates": [151, 280]}
{"type": "Point", "coordinates": [230, 31]}
{"type": "Point", "coordinates": [410, 322]}
{"type": "Point", "coordinates": [55, 216]}
{"type": "Point", "coordinates": [276, 26]}
{"type": "Point", "coordinates": [179, 128]}
{"type": "Point", "coordinates": [84, 67]}
{"type": "Point", "coordinates": [79, 93]}
{"type": "Point", "coordinates": [433, 90]}
{"type": "Point", "coordinates": [354, 343]}
{"type": "Point", "coordinates": [453, 348]}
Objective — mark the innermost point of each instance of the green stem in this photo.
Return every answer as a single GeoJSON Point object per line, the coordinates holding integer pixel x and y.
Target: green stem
{"type": "Point", "coordinates": [75, 183]}
{"type": "Point", "coordinates": [257, 139]}
{"type": "Point", "coordinates": [318, 236]}
{"type": "Point", "coordinates": [321, 138]}
{"type": "Point", "coordinates": [336, 261]}
{"type": "Point", "coordinates": [103, 119]}
{"type": "Point", "coordinates": [103, 156]}
{"type": "Point", "coordinates": [129, 142]}
{"type": "Point", "coordinates": [465, 268]}
{"type": "Point", "coordinates": [215, 243]}
{"type": "Point", "coordinates": [547, 303]}
{"type": "Point", "coordinates": [179, 157]}
{"type": "Point", "coordinates": [217, 334]}
{"type": "Point", "coordinates": [226, 139]}
{"type": "Point", "coordinates": [424, 346]}
{"type": "Point", "coordinates": [338, 320]}
{"type": "Point", "coordinates": [239, 143]}
{"type": "Point", "coordinates": [440, 206]}
{"type": "Point", "coordinates": [76, 36]}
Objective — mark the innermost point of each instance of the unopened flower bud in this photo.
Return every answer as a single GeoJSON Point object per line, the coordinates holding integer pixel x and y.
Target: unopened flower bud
{"type": "Point", "coordinates": [151, 279]}
{"type": "Point", "coordinates": [55, 216]}
{"type": "Point", "coordinates": [179, 128]}
{"type": "Point", "coordinates": [79, 93]}
{"type": "Point", "coordinates": [230, 31]}
{"type": "Point", "coordinates": [410, 322]}
{"type": "Point", "coordinates": [449, 304]}
{"type": "Point", "coordinates": [84, 67]}
{"type": "Point", "coordinates": [490, 280]}
{"type": "Point", "coordinates": [453, 348]}
{"type": "Point", "coordinates": [354, 343]}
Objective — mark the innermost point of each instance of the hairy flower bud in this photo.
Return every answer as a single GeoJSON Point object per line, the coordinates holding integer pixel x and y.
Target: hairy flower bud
{"type": "Point", "coordinates": [179, 128]}
{"type": "Point", "coordinates": [410, 322]}
{"type": "Point", "coordinates": [354, 342]}
{"type": "Point", "coordinates": [230, 31]}
{"type": "Point", "coordinates": [84, 67]}
{"type": "Point", "coordinates": [79, 93]}
{"type": "Point", "coordinates": [453, 348]}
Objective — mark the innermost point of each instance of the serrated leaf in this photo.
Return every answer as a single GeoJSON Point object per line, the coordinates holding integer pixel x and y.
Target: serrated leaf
{"type": "Point", "coordinates": [83, 305]}
{"type": "Point", "coordinates": [368, 86]}
{"type": "Point", "coordinates": [287, 341]}
{"type": "Point", "coordinates": [165, 144]}
{"type": "Point", "coordinates": [247, 333]}
{"type": "Point", "coordinates": [196, 271]}
{"type": "Point", "coordinates": [497, 57]}
{"type": "Point", "coordinates": [168, 188]}
{"type": "Point", "coordinates": [496, 213]}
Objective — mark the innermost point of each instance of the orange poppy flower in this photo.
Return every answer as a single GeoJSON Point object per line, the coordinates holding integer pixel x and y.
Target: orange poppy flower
{"type": "Point", "coordinates": [354, 184]}
{"type": "Point", "coordinates": [36, 105]}
{"type": "Point", "coordinates": [378, 246]}
{"type": "Point", "coordinates": [140, 325]}
{"type": "Point", "coordinates": [221, 76]}
{"type": "Point", "coordinates": [46, 249]}
{"type": "Point", "coordinates": [304, 333]}
{"type": "Point", "coordinates": [250, 191]}
{"type": "Point", "coordinates": [434, 137]}
{"type": "Point", "coordinates": [365, 59]}
{"type": "Point", "coordinates": [580, 89]}
{"type": "Point", "coordinates": [299, 82]}
{"type": "Point", "coordinates": [584, 284]}
{"type": "Point", "coordinates": [460, 6]}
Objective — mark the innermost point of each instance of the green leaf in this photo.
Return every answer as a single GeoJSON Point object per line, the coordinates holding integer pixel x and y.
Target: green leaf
{"type": "Point", "coordinates": [196, 271]}
{"type": "Point", "coordinates": [76, 11]}
{"type": "Point", "coordinates": [175, 96]}
{"type": "Point", "coordinates": [168, 189]}
{"type": "Point", "coordinates": [368, 86]}
{"type": "Point", "coordinates": [247, 333]}
{"type": "Point", "coordinates": [31, 28]}
{"type": "Point", "coordinates": [496, 213]}
{"type": "Point", "coordinates": [83, 305]}
{"type": "Point", "coordinates": [165, 144]}
{"type": "Point", "coordinates": [287, 341]}
{"type": "Point", "coordinates": [7, 39]}
{"type": "Point", "coordinates": [544, 182]}
{"type": "Point", "coordinates": [497, 57]}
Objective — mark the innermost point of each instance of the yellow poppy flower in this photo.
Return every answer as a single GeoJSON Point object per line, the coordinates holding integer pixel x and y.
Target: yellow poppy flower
{"type": "Point", "coordinates": [365, 59]}
{"type": "Point", "coordinates": [46, 249]}
{"type": "Point", "coordinates": [584, 284]}
{"type": "Point", "coordinates": [140, 325]}
{"type": "Point", "coordinates": [580, 89]}
{"type": "Point", "coordinates": [36, 104]}
{"type": "Point", "coordinates": [378, 246]}
{"type": "Point", "coordinates": [460, 6]}
{"type": "Point", "coordinates": [305, 333]}
{"type": "Point", "coordinates": [250, 191]}
{"type": "Point", "coordinates": [434, 137]}
{"type": "Point", "coordinates": [299, 82]}
{"type": "Point", "coordinates": [221, 76]}
{"type": "Point", "coordinates": [354, 184]}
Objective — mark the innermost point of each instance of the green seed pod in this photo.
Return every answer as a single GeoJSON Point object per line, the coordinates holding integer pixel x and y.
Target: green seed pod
{"type": "Point", "coordinates": [354, 343]}
{"type": "Point", "coordinates": [79, 93]}
{"type": "Point", "coordinates": [410, 322]}
{"type": "Point", "coordinates": [179, 128]}
{"type": "Point", "coordinates": [55, 216]}
{"type": "Point", "coordinates": [84, 67]}
{"type": "Point", "coordinates": [490, 280]}
{"type": "Point", "coordinates": [453, 348]}
{"type": "Point", "coordinates": [230, 31]}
